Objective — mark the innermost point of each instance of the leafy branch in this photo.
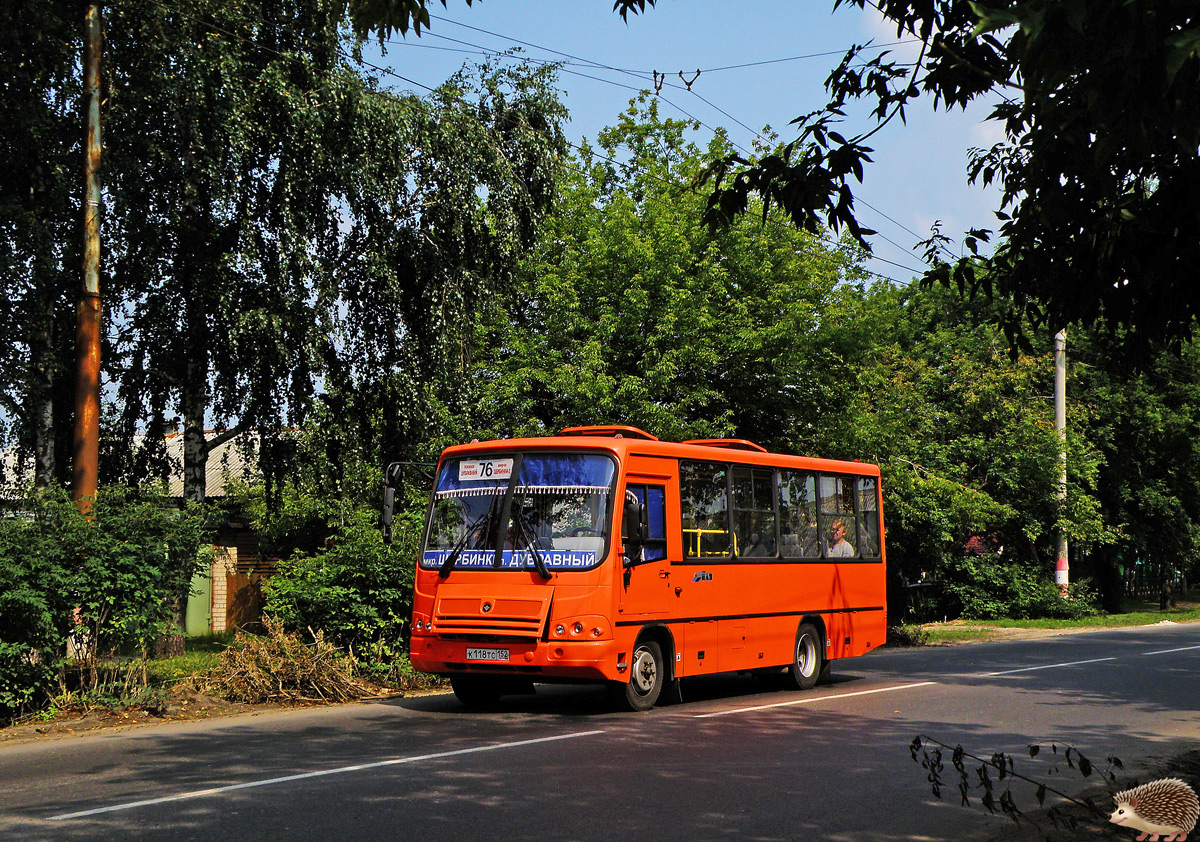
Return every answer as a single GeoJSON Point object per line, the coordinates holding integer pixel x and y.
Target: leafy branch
{"type": "Point", "coordinates": [1000, 769]}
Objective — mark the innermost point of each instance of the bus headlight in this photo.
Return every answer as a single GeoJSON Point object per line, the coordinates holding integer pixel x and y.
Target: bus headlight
{"type": "Point", "coordinates": [589, 627]}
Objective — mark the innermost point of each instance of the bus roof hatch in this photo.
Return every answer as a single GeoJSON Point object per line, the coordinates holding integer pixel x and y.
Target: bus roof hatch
{"type": "Point", "coordinates": [613, 430]}
{"type": "Point", "coordinates": [734, 444]}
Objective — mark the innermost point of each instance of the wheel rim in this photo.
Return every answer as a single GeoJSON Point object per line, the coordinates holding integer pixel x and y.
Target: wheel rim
{"type": "Point", "coordinates": [645, 672]}
{"type": "Point", "coordinates": [806, 655]}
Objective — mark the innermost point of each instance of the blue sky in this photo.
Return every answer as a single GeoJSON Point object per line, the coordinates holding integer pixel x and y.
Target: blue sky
{"type": "Point", "coordinates": [919, 174]}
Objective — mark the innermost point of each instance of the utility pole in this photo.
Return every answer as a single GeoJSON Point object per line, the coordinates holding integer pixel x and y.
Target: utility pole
{"type": "Point", "coordinates": [1062, 576]}
{"type": "Point", "coordinates": [87, 334]}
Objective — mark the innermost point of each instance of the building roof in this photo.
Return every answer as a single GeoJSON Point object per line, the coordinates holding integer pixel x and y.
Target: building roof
{"type": "Point", "coordinates": [231, 461]}
{"type": "Point", "coordinates": [234, 460]}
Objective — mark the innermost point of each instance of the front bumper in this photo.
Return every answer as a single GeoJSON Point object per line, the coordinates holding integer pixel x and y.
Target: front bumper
{"type": "Point", "coordinates": [581, 660]}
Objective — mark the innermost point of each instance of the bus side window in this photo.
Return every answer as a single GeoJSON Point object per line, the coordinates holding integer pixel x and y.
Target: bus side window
{"type": "Point", "coordinates": [704, 509]}
{"type": "Point", "coordinates": [753, 512]}
{"type": "Point", "coordinates": [798, 515]}
{"type": "Point", "coordinates": [653, 499]}
{"type": "Point", "coordinates": [839, 526]}
{"type": "Point", "coordinates": [868, 524]}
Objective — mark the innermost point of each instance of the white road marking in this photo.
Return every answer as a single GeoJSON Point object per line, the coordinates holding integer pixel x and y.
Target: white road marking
{"type": "Point", "coordinates": [216, 790]}
{"type": "Point", "coordinates": [1046, 667]}
{"type": "Point", "coordinates": [810, 699]}
{"type": "Point", "coordinates": [1168, 651]}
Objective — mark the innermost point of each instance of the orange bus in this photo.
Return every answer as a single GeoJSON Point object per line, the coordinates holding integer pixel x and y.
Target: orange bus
{"type": "Point", "coordinates": [604, 554]}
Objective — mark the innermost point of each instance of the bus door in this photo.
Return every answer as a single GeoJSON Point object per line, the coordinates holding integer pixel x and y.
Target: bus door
{"type": "Point", "coordinates": [645, 575]}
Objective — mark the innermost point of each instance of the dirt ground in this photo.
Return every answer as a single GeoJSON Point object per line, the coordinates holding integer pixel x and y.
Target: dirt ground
{"type": "Point", "coordinates": [993, 633]}
{"type": "Point", "coordinates": [183, 704]}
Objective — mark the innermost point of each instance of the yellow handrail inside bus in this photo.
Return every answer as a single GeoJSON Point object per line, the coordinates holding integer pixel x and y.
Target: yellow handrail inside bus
{"type": "Point", "coordinates": [697, 552]}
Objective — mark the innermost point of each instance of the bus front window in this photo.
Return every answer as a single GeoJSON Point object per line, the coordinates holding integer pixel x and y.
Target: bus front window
{"type": "Point", "coordinates": [558, 512]}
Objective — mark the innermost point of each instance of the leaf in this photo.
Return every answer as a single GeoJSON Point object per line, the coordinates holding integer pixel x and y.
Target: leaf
{"type": "Point", "coordinates": [1085, 765]}
{"type": "Point", "coordinates": [990, 19]}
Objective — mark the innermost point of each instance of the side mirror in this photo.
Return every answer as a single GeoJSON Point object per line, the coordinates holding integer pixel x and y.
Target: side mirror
{"type": "Point", "coordinates": [392, 476]}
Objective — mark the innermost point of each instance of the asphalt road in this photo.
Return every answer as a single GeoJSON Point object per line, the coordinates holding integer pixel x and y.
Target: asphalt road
{"type": "Point", "coordinates": [733, 762]}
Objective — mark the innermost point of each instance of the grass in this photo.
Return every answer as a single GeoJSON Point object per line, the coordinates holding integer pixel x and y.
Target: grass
{"type": "Point", "coordinates": [200, 653]}
{"type": "Point", "coordinates": [1134, 618]}
{"type": "Point", "coordinates": [1143, 614]}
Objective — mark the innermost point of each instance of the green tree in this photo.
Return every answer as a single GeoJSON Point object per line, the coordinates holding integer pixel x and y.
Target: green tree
{"type": "Point", "coordinates": [965, 435]}
{"type": "Point", "coordinates": [1100, 104]}
{"type": "Point", "coordinates": [281, 227]}
{"type": "Point", "coordinates": [633, 312]}
{"type": "Point", "coordinates": [226, 128]}
{"type": "Point", "coordinates": [40, 222]}
{"type": "Point", "coordinates": [1146, 424]}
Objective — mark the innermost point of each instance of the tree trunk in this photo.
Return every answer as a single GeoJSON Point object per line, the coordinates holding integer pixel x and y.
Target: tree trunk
{"type": "Point", "coordinates": [42, 399]}
{"type": "Point", "coordinates": [195, 448]}
{"type": "Point", "coordinates": [1108, 577]}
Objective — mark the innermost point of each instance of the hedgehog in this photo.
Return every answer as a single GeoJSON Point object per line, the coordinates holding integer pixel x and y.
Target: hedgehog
{"type": "Point", "coordinates": [1168, 807]}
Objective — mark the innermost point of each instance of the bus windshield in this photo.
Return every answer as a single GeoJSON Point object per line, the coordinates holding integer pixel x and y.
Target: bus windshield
{"type": "Point", "coordinates": [525, 511]}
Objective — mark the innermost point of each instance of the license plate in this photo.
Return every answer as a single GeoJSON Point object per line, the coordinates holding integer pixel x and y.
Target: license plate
{"type": "Point", "coordinates": [487, 654]}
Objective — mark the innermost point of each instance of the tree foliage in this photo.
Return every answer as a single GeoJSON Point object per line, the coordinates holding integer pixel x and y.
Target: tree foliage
{"type": "Point", "coordinates": [279, 230]}
{"type": "Point", "coordinates": [1146, 424]}
{"type": "Point", "coordinates": [281, 219]}
{"type": "Point", "coordinates": [40, 223]}
{"type": "Point", "coordinates": [631, 311]}
{"type": "Point", "coordinates": [1099, 169]}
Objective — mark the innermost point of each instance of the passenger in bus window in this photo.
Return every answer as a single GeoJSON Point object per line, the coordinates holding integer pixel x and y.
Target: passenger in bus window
{"type": "Point", "coordinates": [839, 547]}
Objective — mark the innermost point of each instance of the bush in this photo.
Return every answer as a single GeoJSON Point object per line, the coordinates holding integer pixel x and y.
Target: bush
{"type": "Point", "coordinates": [110, 581]}
{"type": "Point", "coordinates": [990, 587]}
{"type": "Point", "coordinates": [357, 591]}
{"type": "Point", "coordinates": [35, 611]}
{"type": "Point", "coordinates": [907, 635]}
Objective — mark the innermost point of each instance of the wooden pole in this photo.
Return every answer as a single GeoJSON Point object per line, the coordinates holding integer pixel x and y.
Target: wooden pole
{"type": "Point", "coordinates": [87, 335]}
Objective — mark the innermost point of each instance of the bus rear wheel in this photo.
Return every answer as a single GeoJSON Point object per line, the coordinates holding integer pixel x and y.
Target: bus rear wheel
{"type": "Point", "coordinates": [807, 664]}
{"type": "Point", "coordinates": [646, 673]}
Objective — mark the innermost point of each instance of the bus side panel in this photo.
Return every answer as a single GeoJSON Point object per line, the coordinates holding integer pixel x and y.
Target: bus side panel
{"type": "Point", "coordinates": [753, 610]}
{"type": "Point", "coordinates": [857, 595]}
{"type": "Point", "coordinates": [699, 647]}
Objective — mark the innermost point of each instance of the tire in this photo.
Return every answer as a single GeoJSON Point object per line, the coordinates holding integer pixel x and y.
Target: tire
{"type": "Point", "coordinates": [475, 692]}
{"type": "Point", "coordinates": [807, 663]}
{"type": "Point", "coordinates": [646, 674]}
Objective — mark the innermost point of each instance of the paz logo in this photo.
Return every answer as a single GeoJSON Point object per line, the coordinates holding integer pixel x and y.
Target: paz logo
{"type": "Point", "coordinates": [702, 576]}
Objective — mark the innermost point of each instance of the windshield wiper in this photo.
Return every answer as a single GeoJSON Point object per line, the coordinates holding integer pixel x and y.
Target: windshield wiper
{"type": "Point", "coordinates": [457, 549]}
{"type": "Point", "coordinates": [538, 564]}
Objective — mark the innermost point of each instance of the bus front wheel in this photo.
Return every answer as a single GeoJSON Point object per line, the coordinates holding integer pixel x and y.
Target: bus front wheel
{"type": "Point", "coordinates": [476, 692]}
{"type": "Point", "coordinates": [646, 672]}
{"type": "Point", "coordinates": [806, 666]}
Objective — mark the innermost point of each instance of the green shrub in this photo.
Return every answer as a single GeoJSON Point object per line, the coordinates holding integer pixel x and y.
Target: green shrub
{"type": "Point", "coordinates": [907, 635]}
{"type": "Point", "coordinates": [990, 587]}
{"type": "Point", "coordinates": [35, 609]}
{"type": "Point", "coordinates": [111, 581]}
{"type": "Point", "coordinates": [357, 591]}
